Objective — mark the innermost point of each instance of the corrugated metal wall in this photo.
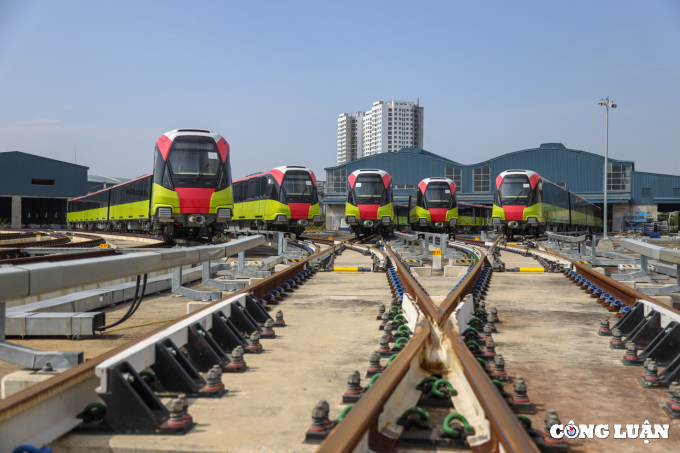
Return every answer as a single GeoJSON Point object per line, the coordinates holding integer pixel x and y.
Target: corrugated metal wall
{"type": "Point", "coordinates": [581, 171]}
{"type": "Point", "coordinates": [18, 170]}
{"type": "Point", "coordinates": [661, 186]}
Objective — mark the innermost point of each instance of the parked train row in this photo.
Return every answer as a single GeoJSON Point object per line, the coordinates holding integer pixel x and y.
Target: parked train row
{"type": "Point", "coordinates": [190, 192]}
{"type": "Point", "coordinates": [524, 203]}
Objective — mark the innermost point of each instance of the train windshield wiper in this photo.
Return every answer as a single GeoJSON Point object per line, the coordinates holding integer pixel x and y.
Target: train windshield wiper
{"type": "Point", "coordinates": [303, 193]}
{"type": "Point", "coordinates": [201, 173]}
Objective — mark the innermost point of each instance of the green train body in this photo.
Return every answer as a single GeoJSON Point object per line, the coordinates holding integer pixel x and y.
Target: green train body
{"type": "Point", "coordinates": [189, 191]}
{"type": "Point", "coordinates": [284, 198]}
{"type": "Point", "coordinates": [369, 207]}
{"type": "Point", "coordinates": [527, 203]}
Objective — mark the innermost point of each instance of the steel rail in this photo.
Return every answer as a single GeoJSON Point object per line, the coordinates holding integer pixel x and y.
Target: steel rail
{"type": "Point", "coordinates": [17, 404]}
{"type": "Point", "coordinates": [624, 293]}
{"type": "Point", "coordinates": [506, 429]}
{"type": "Point", "coordinates": [361, 419]}
{"type": "Point", "coordinates": [464, 288]}
{"type": "Point", "coordinates": [430, 310]}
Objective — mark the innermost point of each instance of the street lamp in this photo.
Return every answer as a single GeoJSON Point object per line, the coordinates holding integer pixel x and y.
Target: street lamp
{"type": "Point", "coordinates": [606, 103]}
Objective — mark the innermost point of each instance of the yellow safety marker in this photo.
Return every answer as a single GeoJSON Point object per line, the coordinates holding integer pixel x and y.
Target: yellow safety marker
{"type": "Point", "coordinates": [330, 238]}
{"type": "Point", "coordinates": [511, 243]}
{"type": "Point", "coordinates": [346, 269]}
{"type": "Point", "coordinates": [531, 269]}
{"type": "Point", "coordinates": [436, 252]}
{"type": "Point", "coordinates": [38, 235]}
{"type": "Point", "coordinates": [476, 239]}
{"type": "Point", "coordinates": [104, 246]}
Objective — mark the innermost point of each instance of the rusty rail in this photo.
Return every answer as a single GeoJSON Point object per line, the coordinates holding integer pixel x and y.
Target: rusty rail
{"type": "Point", "coordinates": [364, 415]}
{"type": "Point", "coordinates": [362, 420]}
{"type": "Point", "coordinates": [428, 307]}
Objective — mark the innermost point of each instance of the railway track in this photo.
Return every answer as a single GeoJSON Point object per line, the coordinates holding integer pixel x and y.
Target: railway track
{"type": "Point", "coordinates": [481, 403]}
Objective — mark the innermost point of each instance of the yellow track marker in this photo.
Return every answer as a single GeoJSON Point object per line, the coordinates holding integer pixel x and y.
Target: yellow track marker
{"type": "Point", "coordinates": [531, 269]}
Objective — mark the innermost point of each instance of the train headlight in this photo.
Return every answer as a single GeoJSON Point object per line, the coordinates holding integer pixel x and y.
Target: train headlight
{"type": "Point", "coordinates": [302, 222]}
{"type": "Point", "coordinates": [386, 219]}
{"type": "Point", "coordinates": [532, 220]}
{"type": "Point", "coordinates": [224, 213]}
{"type": "Point", "coordinates": [351, 219]}
{"type": "Point", "coordinates": [453, 222]}
{"type": "Point", "coordinates": [439, 224]}
{"type": "Point", "coordinates": [281, 218]}
{"type": "Point", "coordinates": [513, 224]}
{"type": "Point", "coordinates": [368, 223]}
{"type": "Point", "coordinates": [192, 219]}
{"type": "Point", "coordinates": [496, 220]}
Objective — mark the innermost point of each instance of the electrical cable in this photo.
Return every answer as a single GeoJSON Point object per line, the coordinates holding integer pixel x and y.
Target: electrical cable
{"type": "Point", "coordinates": [133, 308]}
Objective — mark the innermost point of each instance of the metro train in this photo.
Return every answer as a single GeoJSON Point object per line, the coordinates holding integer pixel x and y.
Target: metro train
{"type": "Point", "coordinates": [284, 198]}
{"type": "Point", "coordinates": [527, 203]}
{"type": "Point", "coordinates": [473, 218]}
{"type": "Point", "coordinates": [434, 207]}
{"type": "Point", "coordinates": [369, 207]}
{"type": "Point", "coordinates": [188, 193]}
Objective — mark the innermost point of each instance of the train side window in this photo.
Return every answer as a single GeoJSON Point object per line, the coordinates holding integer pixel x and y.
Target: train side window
{"type": "Point", "coordinates": [538, 195]}
{"type": "Point", "coordinates": [261, 188]}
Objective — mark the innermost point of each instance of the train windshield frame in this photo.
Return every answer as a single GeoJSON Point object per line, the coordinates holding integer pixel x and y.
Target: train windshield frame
{"type": "Point", "coordinates": [298, 186]}
{"type": "Point", "coordinates": [515, 190]}
{"type": "Point", "coordinates": [438, 195]}
{"type": "Point", "coordinates": [190, 158]}
{"type": "Point", "coordinates": [369, 189]}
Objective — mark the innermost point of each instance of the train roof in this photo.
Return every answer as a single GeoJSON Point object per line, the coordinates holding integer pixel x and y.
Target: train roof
{"type": "Point", "coordinates": [279, 172]}
{"type": "Point", "coordinates": [387, 179]}
{"type": "Point", "coordinates": [422, 185]}
{"type": "Point", "coordinates": [193, 132]}
{"type": "Point", "coordinates": [474, 205]}
{"type": "Point", "coordinates": [113, 187]}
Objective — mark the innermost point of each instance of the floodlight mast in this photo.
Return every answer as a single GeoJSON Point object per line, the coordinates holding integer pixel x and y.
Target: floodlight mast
{"type": "Point", "coordinates": [606, 103]}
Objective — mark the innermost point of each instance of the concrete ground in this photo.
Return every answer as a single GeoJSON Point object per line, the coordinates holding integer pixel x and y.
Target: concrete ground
{"type": "Point", "coordinates": [331, 332]}
{"type": "Point", "coordinates": [548, 335]}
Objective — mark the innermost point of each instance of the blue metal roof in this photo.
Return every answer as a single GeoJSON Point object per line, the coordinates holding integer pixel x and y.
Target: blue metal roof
{"type": "Point", "coordinates": [580, 171]}
{"type": "Point", "coordinates": [26, 175]}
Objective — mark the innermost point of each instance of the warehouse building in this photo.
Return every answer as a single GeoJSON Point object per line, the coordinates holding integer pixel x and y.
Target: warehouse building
{"type": "Point", "coordinates": [629, 191]}
{"type": "Point", "coordinates": [34, 189]}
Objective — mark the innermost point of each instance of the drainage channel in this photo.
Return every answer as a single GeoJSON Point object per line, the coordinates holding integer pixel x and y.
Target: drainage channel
{"type": "Point", "coordinates": [550, 337]}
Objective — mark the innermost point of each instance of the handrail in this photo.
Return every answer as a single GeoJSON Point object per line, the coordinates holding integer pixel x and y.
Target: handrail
{"type": "Point", "coordinates": [346, 436]}
{"type": "Point", "coordinates": [652, 251]}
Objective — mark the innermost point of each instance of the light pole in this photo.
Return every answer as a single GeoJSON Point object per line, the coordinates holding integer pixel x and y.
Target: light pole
{"type": "Point", "coordinates": [607, 103]}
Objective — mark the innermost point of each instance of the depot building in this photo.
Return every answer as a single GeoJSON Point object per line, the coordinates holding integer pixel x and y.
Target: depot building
{"type": "Point", "coordinates": [581, 172]}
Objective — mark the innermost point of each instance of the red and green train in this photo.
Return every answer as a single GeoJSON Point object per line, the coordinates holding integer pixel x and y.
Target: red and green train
{"type": "Point", "coordinates": [433, 207]}
{"type": "Point", "coordinates": [527, 203]}
{"type": "Point", "coordinates": [190, 193]}
{"type": "Point", "coordinates": [369, 207]}
{"type": "Point", "coordinates": [283, 199]}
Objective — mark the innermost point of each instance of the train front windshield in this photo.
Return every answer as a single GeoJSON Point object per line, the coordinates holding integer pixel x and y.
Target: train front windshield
{"type": "Point", "coordinates": [194, 158]}
{"type": "Point", "coordinates": [438, 195]}
{"type": "Point", "coordinates": [516, 190]}
{"type": "Point", "coordinates": [298, 186]}
{"type": "Point", "coordinates": [369, 189]}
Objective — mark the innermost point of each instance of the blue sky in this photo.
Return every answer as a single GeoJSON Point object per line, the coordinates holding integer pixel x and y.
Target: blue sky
{"type": "Point", "coordinates": [272, 77]}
